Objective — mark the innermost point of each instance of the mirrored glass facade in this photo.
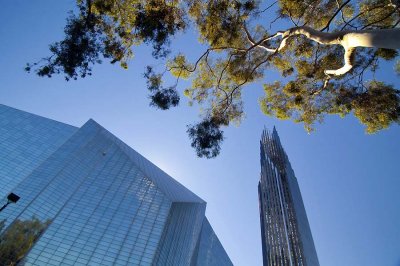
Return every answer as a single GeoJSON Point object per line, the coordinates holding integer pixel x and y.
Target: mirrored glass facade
{"type": "Point", "coordinates": [105, 203]}
{"type": "Point", "coordinates": [26, 140]}
{"type": "Point", "coordinates": [286, 234]}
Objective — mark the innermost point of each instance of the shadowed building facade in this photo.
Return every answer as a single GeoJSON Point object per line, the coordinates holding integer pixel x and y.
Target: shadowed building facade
{"type": "Point", "coordinates": [104, 203]}
{"type": "Point", "coordinates": [286, 234]}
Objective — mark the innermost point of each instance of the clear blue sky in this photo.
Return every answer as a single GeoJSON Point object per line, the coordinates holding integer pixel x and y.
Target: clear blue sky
{"type": "Point", "coordinates": [349, 180]}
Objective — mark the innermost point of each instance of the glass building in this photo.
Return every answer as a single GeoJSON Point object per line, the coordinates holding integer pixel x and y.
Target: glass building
{"type": "Point", "coordinates": [286, 234]}
{"type": "Point", "coordinates": [104, 203]}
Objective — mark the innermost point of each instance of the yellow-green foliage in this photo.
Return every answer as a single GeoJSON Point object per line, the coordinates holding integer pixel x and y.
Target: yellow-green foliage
{"type": "Point", "coordinates": [179, 67]}
{"type": "Point", "coordinates": [229, 61]}
{"type": "Point", "coordinates": [378, 107]}
{"type": "Point", "coordinates": [303, 96]}
{"type": "Point", "coordinates": [302, 47]}
{"type": "Point", "coordinates": [348, 12]}
{"type": "Point", "coordinates": [219, 23]}
{"type": "Point", "coordinates": [377, 12]}
{"type": "Point", "coordinates": [274, 102]}
{"type": "Point", "coordinates": [387, 54]}
{"type": "Point", "coordinates": [284, 65]}
{"type": "Point", "coordinates": [316, 12]}
{"type": "Point", "coordinates": [305, 68]}
{"type": "Point", "coordinates": [16, 241]}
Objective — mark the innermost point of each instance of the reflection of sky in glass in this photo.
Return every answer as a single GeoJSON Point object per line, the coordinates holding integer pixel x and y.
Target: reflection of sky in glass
{"type": "Point", "coordinates": [349, 180]}
{"type": "Point", "coordinates": [25, 143]}
{"type": "Point", "coordinates": [103, 208]}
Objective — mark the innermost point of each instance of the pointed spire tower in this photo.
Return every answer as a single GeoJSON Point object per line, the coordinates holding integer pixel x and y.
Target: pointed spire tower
{"type": "Point", "coordinates": [286, 234]}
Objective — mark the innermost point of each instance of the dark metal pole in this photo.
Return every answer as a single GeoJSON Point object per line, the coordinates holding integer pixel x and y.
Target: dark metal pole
{"type": "Point", "coordinates": [4, 206]}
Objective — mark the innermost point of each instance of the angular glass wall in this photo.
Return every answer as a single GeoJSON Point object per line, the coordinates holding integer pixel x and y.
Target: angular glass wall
{"type": "Point", "coordinates": [105, 204]}
{"type": "Point", "coordinates": [209, 250]}
{"type": "Point", "coordinates": [26, 140]}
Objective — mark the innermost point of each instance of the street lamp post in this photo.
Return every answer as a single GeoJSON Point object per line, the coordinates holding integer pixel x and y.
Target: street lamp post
{"type": "Point", "coordinates": [11, 198]}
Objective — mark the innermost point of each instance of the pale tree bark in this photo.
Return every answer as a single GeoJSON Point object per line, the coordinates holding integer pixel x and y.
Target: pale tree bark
{"type": "Point", "coordinates": [349, 40]}
{"type": "Point", "coordinates": [395, 4]}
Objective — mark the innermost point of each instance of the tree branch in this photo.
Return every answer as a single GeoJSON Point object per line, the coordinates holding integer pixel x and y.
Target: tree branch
{"type": "Point", "coordinates": [349, 57]}
{"type": "Point", "coordinates": [258, 44]}
{"type": "Point", "coordinates": [265, 9]}
{"type": "Point", "coordinates": [379, 20]}
{"type": "Point", "coordinates": [360, 14]}
{"type": "Point", "coordinates": [383, 38]}
{"type": "Point", "coordinates": [334, 15]}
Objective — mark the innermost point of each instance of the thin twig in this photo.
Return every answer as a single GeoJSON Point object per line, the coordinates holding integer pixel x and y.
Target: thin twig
{"type": "Point", "coordinates": [343, 18]}
{"type": "Point", "coordinates": [265, 9]}
{"type": "Point", "coordinates": [334, 15]}
{"type": "Point", "coordinates": [379, 20]}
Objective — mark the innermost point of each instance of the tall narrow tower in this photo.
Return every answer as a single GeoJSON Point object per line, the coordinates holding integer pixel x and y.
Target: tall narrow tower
{"type": "Point", "coordinates": [286, 234]}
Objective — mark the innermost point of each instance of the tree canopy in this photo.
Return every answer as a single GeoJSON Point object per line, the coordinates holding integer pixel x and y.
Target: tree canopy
{"type": "Point", "coordinates": [19, 237]}
{"type": "Point", "coordinates": [327, 52]}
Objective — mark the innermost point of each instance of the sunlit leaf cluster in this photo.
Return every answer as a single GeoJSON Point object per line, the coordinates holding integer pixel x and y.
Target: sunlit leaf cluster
{"type": "Point", "coordinates": [18, 238]}
{"type": "Point", "coordinates": [108, 29]}
{"type": "Point", "coordinates": [241, 42]}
